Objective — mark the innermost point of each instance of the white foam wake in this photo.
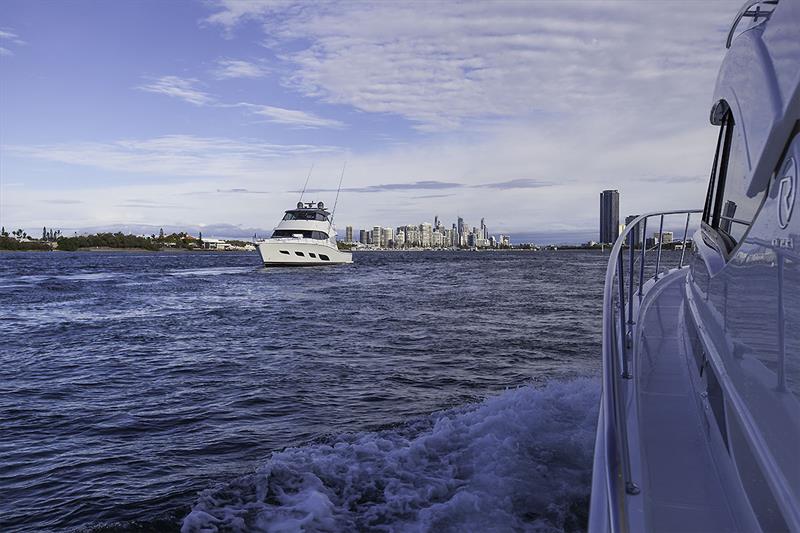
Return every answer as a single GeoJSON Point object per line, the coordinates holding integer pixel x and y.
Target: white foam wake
{"type": "Point", "coordinates": [520, 460]}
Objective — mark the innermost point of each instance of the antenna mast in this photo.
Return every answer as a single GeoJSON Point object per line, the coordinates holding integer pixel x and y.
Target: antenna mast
{"type": "Point", "coordinates": [306, 183]}
{"type": "Point", "coordinates": [339, 188]}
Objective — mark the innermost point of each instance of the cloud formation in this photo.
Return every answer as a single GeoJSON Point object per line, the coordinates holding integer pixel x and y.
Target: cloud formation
{"type": "Point", "coordinates": [184, 89]}
{"type": "Point", "coordinates": [236, 68]}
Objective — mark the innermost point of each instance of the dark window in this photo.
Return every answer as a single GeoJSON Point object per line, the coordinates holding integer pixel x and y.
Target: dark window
{"type": "Point", "coordinates": [301, 254]}
{"type": "Point", "coordinates": [308, 234]}
{"type": "Point", "coordinates": [324, 257]}
{"type": "Point", "coordinates": [312, 254]}
{"type": "Point", "coordinates": [285, 252]}
{"type": "Point", "coordinates": [305, 215]}
{"type": "Point", "coordinates": [731, 204]}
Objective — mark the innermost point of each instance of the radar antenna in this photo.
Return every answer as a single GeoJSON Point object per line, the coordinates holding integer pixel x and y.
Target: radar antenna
{"type": "Point", "coordinates": [339, 188]}
{"type": "Point", "coordinates": [305, 184]}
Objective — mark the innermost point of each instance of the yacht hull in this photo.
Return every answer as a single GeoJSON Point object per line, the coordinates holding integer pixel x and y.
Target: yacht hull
{"type": "Point", "coordinates": [300, 252]}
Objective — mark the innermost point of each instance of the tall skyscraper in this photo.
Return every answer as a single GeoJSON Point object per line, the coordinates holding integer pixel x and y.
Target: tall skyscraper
{"type": "Point", "coordinates": [637, 232]}
{"type": "Point", "coordinates": [377, 232]}
{"type": "Point", "coordinates": [362, 236]}
{"type": "Point", "coordinates": [609, 216]}
{"type": "Point", "coordinates": [348, 234]}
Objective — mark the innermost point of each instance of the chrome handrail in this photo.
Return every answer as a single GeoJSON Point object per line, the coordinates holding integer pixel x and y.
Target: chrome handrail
{"type": "Point", "coordinates": [745, 12]}
{"type": "Point", "coordinates": [616, 331]}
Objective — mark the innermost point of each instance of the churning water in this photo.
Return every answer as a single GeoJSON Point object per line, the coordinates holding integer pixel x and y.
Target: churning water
{"type": "Point", "coordinates": [428, 391]}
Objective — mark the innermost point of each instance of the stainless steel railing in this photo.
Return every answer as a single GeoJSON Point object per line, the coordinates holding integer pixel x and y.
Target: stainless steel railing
{"type": "Point", "coordinates": [617, 344]}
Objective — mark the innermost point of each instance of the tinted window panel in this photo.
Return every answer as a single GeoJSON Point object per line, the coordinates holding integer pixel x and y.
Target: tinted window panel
{"type": "Point", "coordinates": [738, 208]}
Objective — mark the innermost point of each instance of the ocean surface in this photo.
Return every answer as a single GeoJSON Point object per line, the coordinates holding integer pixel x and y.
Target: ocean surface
{"type": "Point", "coordinates": [423, 391]}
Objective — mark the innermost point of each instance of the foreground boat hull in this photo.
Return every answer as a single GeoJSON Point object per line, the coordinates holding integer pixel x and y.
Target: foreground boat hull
{"type": "Point", "coordinates": [300, 252]}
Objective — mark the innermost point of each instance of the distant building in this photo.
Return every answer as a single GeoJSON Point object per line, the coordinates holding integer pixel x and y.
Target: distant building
{"type": "Point", "coordinates": [348, 234]}
{"type": "Point", "coordinates": [665, 238]}
{"type": "Point", "coordinates": [362, 236]}
{"type": "Point", "coordinates": [387, 237]}
{"type": "Point", "coordinates": [637, 231]}
{"type": "Point", "coordinates": [609, 216]}
{"type": "Point", "coordinates": [426, 234]}
{"type": "Point", "coordinates": [377, 233]}
{"type": "Point", "coordinates": [399, 238]}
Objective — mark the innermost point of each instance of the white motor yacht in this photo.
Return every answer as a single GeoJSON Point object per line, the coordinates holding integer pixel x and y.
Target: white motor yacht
{"type": "Point", "coordinates": [699, 426]}
{"type": "Point", "coordinates": [305, 237]}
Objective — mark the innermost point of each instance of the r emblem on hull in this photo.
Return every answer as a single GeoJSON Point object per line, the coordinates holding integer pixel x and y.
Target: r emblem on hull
{"type": "Point", "coordinates": [787, 193]}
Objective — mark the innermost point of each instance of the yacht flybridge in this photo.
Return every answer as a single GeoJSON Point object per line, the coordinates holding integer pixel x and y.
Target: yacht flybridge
{"type": "Point", "coordinates": [305, 237]}
{"type": "Point", "coordinates": [699, 426]}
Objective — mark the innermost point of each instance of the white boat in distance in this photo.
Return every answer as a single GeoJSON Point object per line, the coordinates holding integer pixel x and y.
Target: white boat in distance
{"type": "Point", "coordinates": [305, 237]}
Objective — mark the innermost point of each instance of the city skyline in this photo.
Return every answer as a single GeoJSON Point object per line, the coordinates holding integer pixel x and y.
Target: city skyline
{"type": "Point", "coordinates": [202, 114]}
{"type": "Point", "coordinates": [427, 235]}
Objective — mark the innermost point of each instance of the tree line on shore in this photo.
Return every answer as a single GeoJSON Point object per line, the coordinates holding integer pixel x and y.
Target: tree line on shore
{"type": "Point", "coordinates": [53, 239]}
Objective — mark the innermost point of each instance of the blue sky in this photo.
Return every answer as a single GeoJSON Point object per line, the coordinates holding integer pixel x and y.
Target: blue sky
{"type": "Point", "coordinates": [207, 113]}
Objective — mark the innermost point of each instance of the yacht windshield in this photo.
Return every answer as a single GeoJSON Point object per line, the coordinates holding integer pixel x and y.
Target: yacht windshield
{"type": "Point", "coordinates": [307, 234]}
{"type": "Point", "coordinates": [305, 215]}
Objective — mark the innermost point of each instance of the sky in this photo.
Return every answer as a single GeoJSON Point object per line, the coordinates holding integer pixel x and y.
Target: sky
{"type": "Point", "coordinates": [211, 114]}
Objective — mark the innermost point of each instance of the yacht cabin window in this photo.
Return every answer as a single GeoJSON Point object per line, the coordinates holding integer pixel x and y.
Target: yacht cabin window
{"type": "Point", "coordinates": [730, 206]}
{"type": "Point", "coordinates": [307, 234]}
{"type": "Point", "coordinates": [305, 215]}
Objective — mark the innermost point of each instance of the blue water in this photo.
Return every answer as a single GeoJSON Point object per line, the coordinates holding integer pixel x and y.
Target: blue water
{"type": "Point", "coordinates": [406, 392]}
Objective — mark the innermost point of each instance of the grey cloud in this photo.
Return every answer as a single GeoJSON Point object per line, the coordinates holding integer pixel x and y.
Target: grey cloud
{"type": "Point", "coordinates": [426, 185]}
{"type": "Point", "coordinates": [520, 183]}
{"type": "Point", "coordinates": [674, 179]}
{"type": "Point", "coordinates": [240, 191]}
{"type": "Point", "coordinates": [63, 201]}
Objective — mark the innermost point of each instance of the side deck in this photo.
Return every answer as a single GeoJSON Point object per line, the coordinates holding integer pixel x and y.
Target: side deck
{"type": "Point", "coordinates": [682, 487]}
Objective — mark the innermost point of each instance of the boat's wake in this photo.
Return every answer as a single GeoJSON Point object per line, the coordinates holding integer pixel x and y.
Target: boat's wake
{"type": "Point", "coordinates": [517, 461]}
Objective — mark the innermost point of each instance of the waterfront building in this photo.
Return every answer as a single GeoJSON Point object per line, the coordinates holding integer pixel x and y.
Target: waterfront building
{"type": "Point", "coordinates": [637, 232]}
{"type": "Point", "coordinates": [609, 216]}
{"type": "Point", "coordinates": [387, 238]}
{"type": "Point", "coordinates": [377, 232]}
{"type": "Point", "coordinates": [348, 234]}
{"type": "Point", "coordinates": [399, 239]}
{"type": "Point", "coordinates": [426, 234]}
{"type": "Point", "coordinates": [666, 237]}
{"type": "Point", "coordinates": [362, 236]}
{"type": "Point", "coordinates": [437, 239]}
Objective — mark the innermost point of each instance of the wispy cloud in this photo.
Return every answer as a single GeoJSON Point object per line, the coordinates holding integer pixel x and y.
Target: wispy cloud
{"type": "Point", "coordinates": [413, 186]}
{"type": "Point", "coordinates": [291, 117]}
{"type": "Point", "coordinates": [519, 183]}
{"type": "Point", "coordinates": [183, 88]}
{"type": "Point", "coordinates": [441, 65]}
{"type": "Point", "coordinates": [9, 37]}
{"type": "Point", "coordinates": [240, 191]}
{"type": "Point", "coordinates": [186, 89]}
{"type": "Point", "coordinates": [172, 155]}
{"type": "Point", "coordinates": [237, 68]}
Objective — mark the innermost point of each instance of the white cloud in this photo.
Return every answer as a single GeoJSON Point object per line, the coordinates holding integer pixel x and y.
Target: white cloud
{"type": "Point", "coordinates": [172, 155]}
{"type": "Point", "coordinates": [441, 64]}
{"type": "Point", "coordinates": [5, 52]}
{"type": "Point", "coordinates": [178, 88]}
{"type": "Point", "coordinates": [291, 117]}
{"type": "Point", "coordinates": [186, 90]}
{"type": "Point", "coordinates": [237, 68]}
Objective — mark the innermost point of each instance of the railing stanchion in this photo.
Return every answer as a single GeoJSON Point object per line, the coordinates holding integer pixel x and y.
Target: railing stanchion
{"type": "Point", "coordinates": [644, 251]}
{"type": "Point", "coordinates": [685, 234]}
{"type": "Point", "coordinates": [630, 280]}
{"type": "Point", "coordinates": [660, 240]}
{"type": "Point", "coordinates": [622, 328]}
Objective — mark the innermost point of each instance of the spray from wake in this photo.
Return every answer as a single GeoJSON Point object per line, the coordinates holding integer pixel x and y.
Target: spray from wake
{"type": "Point", "coordinates": [520, 460]}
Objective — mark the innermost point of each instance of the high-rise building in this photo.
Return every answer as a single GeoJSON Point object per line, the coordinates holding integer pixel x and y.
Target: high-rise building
{"type": "Point", "coordinates": [436, 222]}
{"type": "Point", "coordinates": [426, 234]}
{"type": "Point", "coordinates": [609, 216]}
{"type": "Point", "coordinates": [348, 234]}
{"type": "Point", "coordinates": [399, 238]}
{"type": "Point", "coordinates": [377, 232]}
{"type": "Point", "coordinates": [362, 236]}
{"type": "Point", "coordinates": [387, 237]}
{"type": "Point", "coordinates": [461, 232]}
{"type": "Point", "coordinates": [636, 233]}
